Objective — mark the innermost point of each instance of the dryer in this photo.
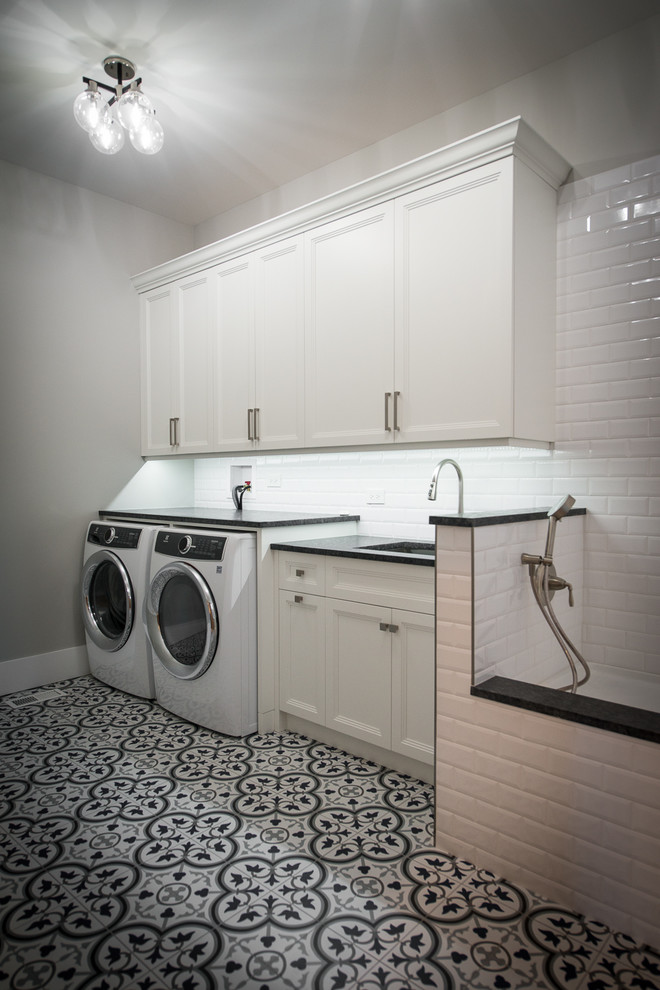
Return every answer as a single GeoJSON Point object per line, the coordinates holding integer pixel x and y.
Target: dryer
{"type": "Point", "coordinates": [113, 586]}
{"type": "Point", "coordinates": [201, 619]}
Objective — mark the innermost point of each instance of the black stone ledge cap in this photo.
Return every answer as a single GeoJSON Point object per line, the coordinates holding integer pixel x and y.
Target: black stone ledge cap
{"type": "Point", "coordinates": [497, 517]}
{"type": "Point", "coordinates": [607, 715]}
{"type": "Point", "coordinates": [357, 547]}
{"type": "Point", "coordinates": [247, 519]}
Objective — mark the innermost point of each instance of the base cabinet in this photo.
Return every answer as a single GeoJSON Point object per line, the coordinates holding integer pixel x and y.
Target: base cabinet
{"type": "Point", "coordinates": [413, 684]}
{"type": "Point", "coordinates": [359, 671]}
{"type": "Point", "coordinates": [302, 655]}
{"type": "Point", "coordinates": [361, 668]}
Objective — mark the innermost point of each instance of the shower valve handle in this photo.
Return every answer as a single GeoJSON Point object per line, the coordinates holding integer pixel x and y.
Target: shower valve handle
{"type": "Point", "coordinates": [557, 584]}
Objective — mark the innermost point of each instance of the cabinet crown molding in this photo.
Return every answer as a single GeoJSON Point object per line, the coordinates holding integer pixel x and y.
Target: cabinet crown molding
{"type": "Point", "coordinates": [513, 137]}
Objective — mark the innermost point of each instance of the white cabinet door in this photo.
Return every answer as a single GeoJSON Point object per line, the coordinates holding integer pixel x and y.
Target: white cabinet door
{"type": "Point", "coordinates": [358, 671]}
{"type": "Point", "coordinates": [349, 326]}
{"type": "Point", "coordinates": [413, 685]}
{"type": "Point", "coordinates": [259, 351]}
{"type": "Point", "coordinates": [194, 368]}
{"type": "Point", "coordinates": [177, 385]}
{"type": "Point", "coordinates": [279, 346]}
{"type": "Point", "coordinates": [454, 360]}
{"type": "Point", "coordinates": [234, 354]}
{"type": "Point", "coordinates": [302, 655]}
{"type": "Point", "coordinates": [158, 359]}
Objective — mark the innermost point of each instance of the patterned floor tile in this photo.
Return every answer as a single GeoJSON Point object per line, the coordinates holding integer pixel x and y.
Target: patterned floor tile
{"type": "Point", "coordinates": [397, 950]}
{"type": "Point", "coordinates": [174, 895]}
{"type": "Point", "coordinates": [141, 852]}
{"type": "Point", "coordinates": [52, 963]}
{"type": "Point", "coordinates": [366, 888]}
{"type": "Point", "coordinates": [572, 945]}
{"type": "Point", "coordinates": [184, 838]}
{"type": "Point", "coordinates": [283, 892]}
{"type": "Point", "coordinates": [624, 965]}
{"type": "Point", "coordinates": [151, 958]}
{"type": "Point", "coordinates": [368, 833]}
{"type": "Point", "coordinates": [267, 959]}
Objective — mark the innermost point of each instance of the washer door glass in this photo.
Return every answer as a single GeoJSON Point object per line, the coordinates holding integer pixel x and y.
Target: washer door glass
{"type": "Point", "coordinates": [182, 620]}
{"type": "Point", "coordinates": [108, 601]}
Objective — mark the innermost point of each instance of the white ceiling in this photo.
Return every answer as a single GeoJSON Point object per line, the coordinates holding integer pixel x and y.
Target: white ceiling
{"type": "Point", "coordinates": [254, 93]}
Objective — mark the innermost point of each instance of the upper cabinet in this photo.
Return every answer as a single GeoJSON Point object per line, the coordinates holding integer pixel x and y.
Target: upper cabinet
{"type": "Point", "coordinates": [177, 381]}
{"type": "Point", "coordinates": [257, 302]}
{"type": "Point", "coordinates": [416, 307]}
{"type": "Point", "coordinates": [279, 346]}
{"type": "Point", "coordinates": [349, 323]}
{"type": "Point", "coordinates": [475, 314]}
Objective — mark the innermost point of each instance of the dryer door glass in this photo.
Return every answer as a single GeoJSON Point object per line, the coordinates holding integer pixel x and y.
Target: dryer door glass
{"type": "Point", "coordinates": [182, 620]}
{"type": "Point", "coordinates": [108, 605]}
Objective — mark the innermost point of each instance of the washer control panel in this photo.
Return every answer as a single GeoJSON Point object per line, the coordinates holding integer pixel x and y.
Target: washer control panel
{"type": "Point", "coordinates": [191, 546]}
{"type": "Point", "coordinates": [118, 537]}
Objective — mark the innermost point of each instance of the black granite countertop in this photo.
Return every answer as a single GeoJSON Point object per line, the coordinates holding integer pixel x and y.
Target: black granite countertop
{"type": "Point", "coordinates": [609, 715]}
{"type": "Point", "coordinates": [496, 517]}
{"type": "Point", "coordinates": [227, 518]}
{"type": "Point", "coordinates": [362, 547]}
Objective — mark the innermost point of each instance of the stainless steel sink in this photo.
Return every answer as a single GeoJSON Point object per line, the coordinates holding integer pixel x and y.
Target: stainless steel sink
{"type": "Point", "coordinates": [405, 546]}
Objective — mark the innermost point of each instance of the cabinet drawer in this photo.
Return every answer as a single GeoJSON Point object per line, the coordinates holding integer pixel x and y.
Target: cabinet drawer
{"type": "Point", "coordinates": [302, 572]}
{"type": "Point", "coordinates": [392, 585]}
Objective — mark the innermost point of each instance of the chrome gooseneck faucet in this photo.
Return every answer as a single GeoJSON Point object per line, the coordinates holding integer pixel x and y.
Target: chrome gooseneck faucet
{"type": "Point", "coordinates": [433, 487]}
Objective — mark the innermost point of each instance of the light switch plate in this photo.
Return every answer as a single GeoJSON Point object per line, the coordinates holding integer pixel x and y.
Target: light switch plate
{"type": "Point", "coordinates": [376, 498]}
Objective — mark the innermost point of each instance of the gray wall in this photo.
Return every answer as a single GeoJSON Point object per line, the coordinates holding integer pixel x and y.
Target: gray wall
{"type": "Point", "coordinates": [69, 388]}
{"type": "Point", "coordinates": [599, 107]}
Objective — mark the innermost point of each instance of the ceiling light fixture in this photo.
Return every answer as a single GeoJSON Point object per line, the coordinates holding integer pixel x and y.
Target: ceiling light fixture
{"type": "Point", "coordinates": [128, 109]}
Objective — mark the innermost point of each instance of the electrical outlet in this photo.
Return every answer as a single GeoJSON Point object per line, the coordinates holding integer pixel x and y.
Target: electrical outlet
{"type": "Point", "coordinates": [274, 482]}
{"type": "Point", "coordinates": [376, 498]}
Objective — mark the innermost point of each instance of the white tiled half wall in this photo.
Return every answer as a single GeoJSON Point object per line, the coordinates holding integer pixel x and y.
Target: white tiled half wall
{"type": "Point", "coordinates": [569, 811]}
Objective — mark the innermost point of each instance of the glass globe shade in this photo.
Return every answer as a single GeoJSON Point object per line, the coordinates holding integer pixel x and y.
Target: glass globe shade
{"type": "Point", "coordinates": [89, 109]}
{"type": "Point", "coordinates": [148, 138]}
{"type": "Point", "coordinates": [109, 137]}
{"type": "Point", "coordinates": [133, 108]}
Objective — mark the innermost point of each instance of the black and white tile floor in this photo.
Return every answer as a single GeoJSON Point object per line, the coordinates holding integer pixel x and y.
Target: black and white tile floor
{"type": "Point", "coordinates": [140, 852]}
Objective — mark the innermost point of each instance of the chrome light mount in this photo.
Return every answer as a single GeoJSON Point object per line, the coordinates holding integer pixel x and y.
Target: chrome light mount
{"type": "Point", "coordinates": [121, 69]}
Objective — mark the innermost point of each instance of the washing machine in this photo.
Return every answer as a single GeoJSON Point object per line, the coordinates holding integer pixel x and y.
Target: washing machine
{"type": "Point", "coordinates": [201, 619]}
{"type": "Point", "coordinates": [114, 582]}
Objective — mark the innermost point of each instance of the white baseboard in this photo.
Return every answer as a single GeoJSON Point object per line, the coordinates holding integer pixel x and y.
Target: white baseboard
{"type": "Point", "coordinates": [26, 673]}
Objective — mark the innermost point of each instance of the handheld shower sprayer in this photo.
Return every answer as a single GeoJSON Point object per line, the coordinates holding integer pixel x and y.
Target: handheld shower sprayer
{"type": "Point", "coordinates": [544, 581]}
{"type": "Point", "coordinates": [556, 513]}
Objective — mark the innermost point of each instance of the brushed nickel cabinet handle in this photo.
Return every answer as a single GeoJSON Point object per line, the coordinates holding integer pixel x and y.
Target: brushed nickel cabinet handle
{"type": "Point", "coordinates": [256, 423]}
{"type": "Point", "coordinates": [388, 396]}
{"type": "Point", "coordinates": [250, 437]}
{"type": "Point", "coordinates": [384, 627]}
{"type": "Point", "coordinates": [394, 629]}
{"type": "Point", "coordinates": [297, 599]}
{"type": "Point", "coordinates": [299, 572]}
{"type": "Point", "coordinates": [174, 431]}
{"type": "Point", "coordinates": [396, 410]}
